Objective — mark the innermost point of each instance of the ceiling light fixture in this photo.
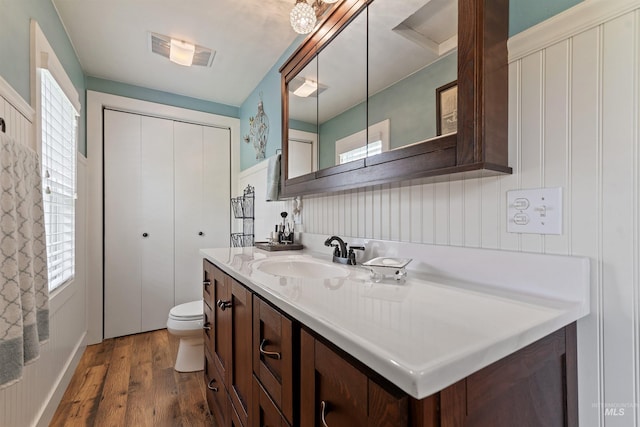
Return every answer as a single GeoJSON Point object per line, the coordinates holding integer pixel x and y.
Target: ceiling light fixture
{"type": "Point", "coordinates": [182, 52]}
{"type": "Point", "coordinates": [303, 16]}
{"type": "Point", "coordinates": [306, 89]}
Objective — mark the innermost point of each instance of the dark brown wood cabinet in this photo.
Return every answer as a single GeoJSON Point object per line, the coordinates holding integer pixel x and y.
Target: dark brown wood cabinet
{"type": "Point", "coordinates": [535, 386]}
{"type": "Point", "coordinates": [265, 412]}
{"type": "Point", "coordinates": [272, 371]}
{"type": "Point", "coordinates": [227, 332]}
{"type": "Point", "coordinates": [480, 146]}
{"type": "Point", "coordinates": [216, 392]}
{"type": "Point", "coordinates": [274, 355]}
{"type": "Point", "coordinates": [217, 288]}
{"type": "Point", "coordinates": [239, 336]}
{"type": "Point", "coordinates": [334, 392]}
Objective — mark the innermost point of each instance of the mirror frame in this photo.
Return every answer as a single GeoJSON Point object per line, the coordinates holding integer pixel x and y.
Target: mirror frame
{"type": "Point", "coordinates": [480, 146]}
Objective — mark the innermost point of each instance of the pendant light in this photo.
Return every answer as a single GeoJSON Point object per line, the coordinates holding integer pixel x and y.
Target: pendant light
{"type": "Point", "coordinates": [302, 17]}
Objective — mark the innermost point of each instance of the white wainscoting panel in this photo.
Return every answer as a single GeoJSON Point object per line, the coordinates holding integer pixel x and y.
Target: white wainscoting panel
{"type": "Point", "coordinates": [574, 122]}
{"type": "Point", "coordinates": [33, 400]}
{"type": "Point", "coordinates": [267, 214]}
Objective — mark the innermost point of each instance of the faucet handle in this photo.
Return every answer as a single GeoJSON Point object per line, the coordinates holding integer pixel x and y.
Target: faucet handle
{"type": "Point", "coordinates": [352, 255]}
{"type": "Point", "coordinates": [336, 249]}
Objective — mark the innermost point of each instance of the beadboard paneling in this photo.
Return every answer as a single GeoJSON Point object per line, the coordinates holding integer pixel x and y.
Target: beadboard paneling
{"type": "Point", "coordinates": [267, 214]}
{"type": "Point", "coordinates": [33, 400]}
{"type": "Point", "coordinates": [573, 123]}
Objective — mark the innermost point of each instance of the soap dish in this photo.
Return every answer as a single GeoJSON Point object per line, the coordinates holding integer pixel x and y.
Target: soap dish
{"type": "Point", "coordinates": [382, 267]}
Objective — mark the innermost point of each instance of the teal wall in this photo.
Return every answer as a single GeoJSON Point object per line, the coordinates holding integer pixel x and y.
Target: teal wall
{"type": "Point", "coordinates": [270, 89]}
{"type": "Point", "coordinates": [409, 105]}
{"type": "Point", "coordinates": [351, 121]}
{"type": "Point", "coordinates": [159, 97]}
{"type": "Point", "coordinates": [15, 35]}
{"type": "Point", "coordinates": [527, 13]}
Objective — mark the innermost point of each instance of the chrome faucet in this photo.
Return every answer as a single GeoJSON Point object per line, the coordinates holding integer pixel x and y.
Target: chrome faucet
{"type": "Point", "coordinates": [340, 253]}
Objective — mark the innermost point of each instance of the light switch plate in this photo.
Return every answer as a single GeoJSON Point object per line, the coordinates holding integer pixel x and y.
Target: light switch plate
{"type": "Point", "coordinates": [536, 211]}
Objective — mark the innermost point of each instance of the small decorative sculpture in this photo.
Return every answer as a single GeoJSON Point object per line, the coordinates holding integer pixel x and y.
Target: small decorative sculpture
{"type": "Point", "coordinates": [258, 131]}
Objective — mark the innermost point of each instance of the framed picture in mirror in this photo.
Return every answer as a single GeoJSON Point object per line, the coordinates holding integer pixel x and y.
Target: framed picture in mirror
{"type": "Point", "coordinates": [447, 108]}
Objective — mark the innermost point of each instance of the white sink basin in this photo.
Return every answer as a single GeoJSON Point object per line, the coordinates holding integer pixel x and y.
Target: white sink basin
{"type": "Point", "coordinates": [302, 268]}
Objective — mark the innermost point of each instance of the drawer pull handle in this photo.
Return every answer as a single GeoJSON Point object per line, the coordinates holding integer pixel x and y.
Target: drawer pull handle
{"type": "Point", "coordinates": [207, 326]}
{"type": "Point", "coordinates": [324, 409]}
{"type": "Point", "coordinates": [210, 385]}
{"type": "Point", "coordinates": [270, 354]}
{"type": "Point", "coordinates": [224, 304]}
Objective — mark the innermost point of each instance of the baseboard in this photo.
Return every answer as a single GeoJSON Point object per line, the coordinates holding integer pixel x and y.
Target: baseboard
{"type": "Point", "coordinates": [55, 395]}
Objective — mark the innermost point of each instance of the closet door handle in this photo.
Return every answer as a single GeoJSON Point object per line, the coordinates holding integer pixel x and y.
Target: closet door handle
{"type": "Point", "coordinates": [145, 234]}
{"type": "Point", "coordinates": [324, 410]}
{"type": "Point", "coordinates": [270, 354]}
{"type": "Point", "coordinates": [224, 304]}
{"type": "Point", "coordinates": [210, 385]}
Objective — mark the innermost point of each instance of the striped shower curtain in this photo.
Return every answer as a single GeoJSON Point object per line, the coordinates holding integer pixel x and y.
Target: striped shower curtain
{"type": "Point", "coordinates": [24, 292]}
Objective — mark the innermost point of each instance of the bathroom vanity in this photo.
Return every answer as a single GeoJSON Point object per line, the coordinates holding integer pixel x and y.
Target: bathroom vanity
{"type": "Point", "coordinates": [295, 340]}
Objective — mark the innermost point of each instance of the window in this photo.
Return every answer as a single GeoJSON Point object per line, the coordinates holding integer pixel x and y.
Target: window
{"type": "Point", "coordinates": [59, 136]}
{"type": "Point", "coordinates": [352, 147]}
{"type": "Point", "coordinates": [370, 149]}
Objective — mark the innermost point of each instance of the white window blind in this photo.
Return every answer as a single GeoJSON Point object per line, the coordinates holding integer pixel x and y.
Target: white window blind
{"type": "Point", "coordinates": [370, 149]}
{"type": "Point", "coordinates": [59, 135]}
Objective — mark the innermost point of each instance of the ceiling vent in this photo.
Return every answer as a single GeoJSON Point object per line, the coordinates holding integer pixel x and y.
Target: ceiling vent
{"type": "Point", "coordinates": [161, 44]}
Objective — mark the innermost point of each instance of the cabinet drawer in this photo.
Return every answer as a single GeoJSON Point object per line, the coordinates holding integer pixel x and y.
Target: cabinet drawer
{"type": "Point", "coordinates": [336, 393]}
{"type": "Point", "coordinates": [273, 354]}
{"type": "Point", "coordinates": [265, 413]}
{"type": "Point", "coordinates": [216, 394]}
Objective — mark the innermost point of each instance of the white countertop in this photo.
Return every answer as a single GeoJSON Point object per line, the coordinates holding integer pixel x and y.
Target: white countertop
{"type": "Point", "coordinates": [422, 335]}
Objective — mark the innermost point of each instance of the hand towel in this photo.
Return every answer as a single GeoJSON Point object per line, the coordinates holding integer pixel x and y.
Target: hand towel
{"type": "Point", "coordinates": [273, 179]}
{"type": "Point", "coordinates": [24, 291]}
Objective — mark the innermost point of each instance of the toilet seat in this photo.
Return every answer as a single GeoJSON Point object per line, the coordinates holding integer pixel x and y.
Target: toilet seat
{"type": "Point", "coordinates": [188, 311]}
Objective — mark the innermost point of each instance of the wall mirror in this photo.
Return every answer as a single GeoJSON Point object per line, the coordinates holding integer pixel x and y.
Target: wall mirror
{"type": "Point", "coordinates": [395, 91]}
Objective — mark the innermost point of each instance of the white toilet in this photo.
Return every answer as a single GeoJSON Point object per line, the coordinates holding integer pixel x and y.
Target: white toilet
{"type": "Point", "coordinates": [186, 321]}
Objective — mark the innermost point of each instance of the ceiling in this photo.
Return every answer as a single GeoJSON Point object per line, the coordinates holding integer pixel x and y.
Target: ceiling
{"type": "Point", "coordinates": [111, 40]}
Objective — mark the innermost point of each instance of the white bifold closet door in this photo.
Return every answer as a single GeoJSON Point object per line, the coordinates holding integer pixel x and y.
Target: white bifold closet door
{"type": "Point", "coordinates": [202, 193]}
{"type": "Point", "coordinates": [165, 182]}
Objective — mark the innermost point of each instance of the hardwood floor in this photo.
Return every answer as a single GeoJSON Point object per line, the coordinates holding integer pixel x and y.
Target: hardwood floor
{"type": "Point", "coordinates": [130, 381]}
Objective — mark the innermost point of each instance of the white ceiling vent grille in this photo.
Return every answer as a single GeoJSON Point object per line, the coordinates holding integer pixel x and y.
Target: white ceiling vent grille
{"type": "Point", "coordinates": [160, 44]}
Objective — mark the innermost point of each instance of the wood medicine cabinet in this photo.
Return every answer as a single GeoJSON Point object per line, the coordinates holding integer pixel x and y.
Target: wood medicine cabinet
{"type": "Point", "coordinates": [363, 85]}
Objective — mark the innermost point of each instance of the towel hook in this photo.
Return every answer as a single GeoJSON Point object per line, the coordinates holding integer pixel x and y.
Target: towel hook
{"type": "Point", "coordinates": [3, 125]}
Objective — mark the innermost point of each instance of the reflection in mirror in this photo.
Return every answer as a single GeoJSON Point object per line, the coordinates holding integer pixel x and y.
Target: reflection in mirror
{"type": "Point", "coordinates": [342, 69]}
{"type": "Point", "coordinates": [303, 121]}
{"type": "Point", "coordinates": [373, 88]}
{"type": "Point", "coordinates": [412, 52]}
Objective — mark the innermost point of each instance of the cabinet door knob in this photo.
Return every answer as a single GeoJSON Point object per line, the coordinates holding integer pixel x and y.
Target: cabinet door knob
{"type": "Point", "coordinates": [270, 354]}
{"type": "Point", "coordinates": [206, 283]}
{"type": "Point", "coordinates": [207, 326]}
{"type": "Point", "coordinates": [145, 234]}
{"type": "Point", "coordinates": [210, 385]}
{"type": "Point", "coordinates": [224, 304]}
{"type": "Point", "coordinates": [324, 410]}
{"type": "Point", "coordinates": [200, 233]}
